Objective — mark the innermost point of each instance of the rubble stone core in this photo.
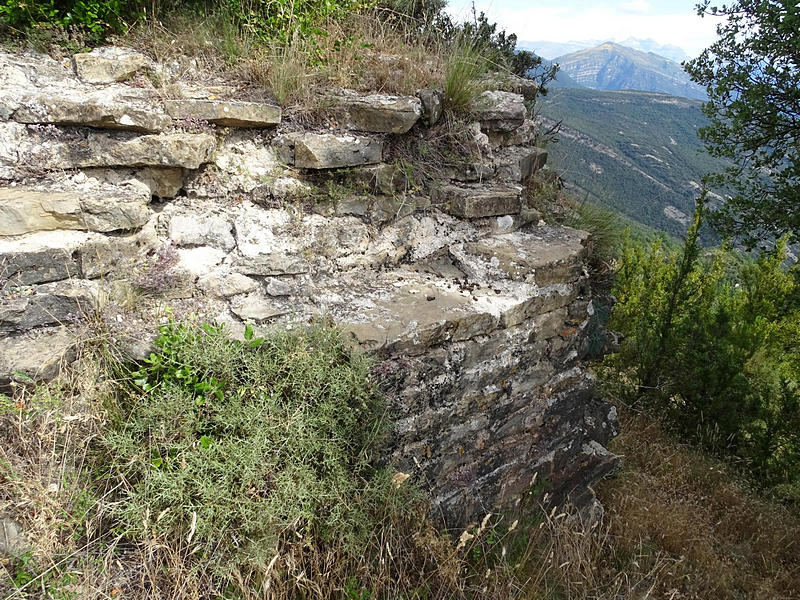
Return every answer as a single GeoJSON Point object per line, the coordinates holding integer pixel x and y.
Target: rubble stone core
{"type": "Point", "coordinates": [118, 204]}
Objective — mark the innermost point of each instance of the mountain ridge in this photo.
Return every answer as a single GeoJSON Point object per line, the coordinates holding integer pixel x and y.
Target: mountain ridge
{"type": "Point", "coordinates": [611, 66]}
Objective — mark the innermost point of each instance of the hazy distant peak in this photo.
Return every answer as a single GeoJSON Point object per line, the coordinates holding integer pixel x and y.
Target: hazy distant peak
{"type": "Point", "coordinates": [551, 50]}
{"type": "Point", "coordinates": [611, 66]}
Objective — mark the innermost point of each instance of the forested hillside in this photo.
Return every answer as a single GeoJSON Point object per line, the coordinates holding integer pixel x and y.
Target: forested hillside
{"type": "Point", "coordinates": [637, 152]}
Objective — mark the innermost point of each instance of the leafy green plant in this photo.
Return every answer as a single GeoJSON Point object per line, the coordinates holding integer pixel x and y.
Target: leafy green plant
{"type": "Point", "coordinates": [247, 441]}
{"type": "Point", "coordinates": [714, 349]}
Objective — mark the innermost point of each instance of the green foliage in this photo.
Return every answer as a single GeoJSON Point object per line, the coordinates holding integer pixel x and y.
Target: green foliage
{"type": "Point", "coordinates": [97, 17]}
{"type": "Point", "coordinates": [752, 73]}
{"type": "Point", "coordinates": [606, 229]}
{"type": "Point", "coordinates": [465, 64]}
{"type": "Point", "coordinates": [715, 348]}
{"type": "Point", "coordinates": [247, 441]}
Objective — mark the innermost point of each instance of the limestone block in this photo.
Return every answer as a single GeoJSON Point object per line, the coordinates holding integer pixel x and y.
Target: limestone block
{"type": "Point", "coordinates": [222, 284]}
{"type": "Point", "coordinates": [38, 355]}
{"type": "Point", "coordinates": [432, 105]}
{"type": "Point", "coordinates": [197, 230]}
{"type": "Point", "coordinates": [89, 112]}
{"type": "Point", "coordinates": [109, 64]}
{"type": "Point", "coordinates": [546, 256]}
{"type": "Point", "coordinates": [256, 308]}
{"type": "Point", "coordinates": [328, 151]}
{"type": "Point", "coordinates": [185, 150]}
{"type": "Point", "coordinates": [512, 83]}
{"type": "Point", "coordinates": [271, 264]}
{"type": "Point", "coordinates": [377, 113]}
{"type": "Point", "coordinates": [42, 257]}
{"type": "Point", "coordinates": [47, 304]}
{"type": "Point", "coordinates": [478, 201]}
{"type": "Point", "coordinates": [26, 209]}
{"type": "Point", "coordinates": [228, 113]}
{"type": "Point", "coordinates": [524, 135]}
{"type": "Point", "coordinates": [12, 538]}
{"type": "Point", "coordinates": [499, 111]}
{"type": "Point", "coordinates": [519, 164]}
{"type": "Point", "coordinates": [200, 260]}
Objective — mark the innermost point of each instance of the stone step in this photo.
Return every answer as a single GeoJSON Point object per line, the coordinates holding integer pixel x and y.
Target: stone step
{"type": "Point", "coordinates": [519, 164]}
{"type": "Point", "coordinates": [376, 113]}
{"type": "Point", "coordinates": [89, 112]}
{"type": "Point", "coordinates": [227, 113]}
{"type": "Point", "coordinates": [53, 206]}
{"type": "Point", "coordinates": [61, 302]}
{"type": "Point", "coordinates": [478, 200]}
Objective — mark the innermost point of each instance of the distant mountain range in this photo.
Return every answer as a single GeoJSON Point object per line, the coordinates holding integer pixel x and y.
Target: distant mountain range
{"type": "Point", "coordinates": [552, 50]}
{"type": "Point", "coordinates": [637, 152]}
{"type": "Point", "coordinates": [612, 66]}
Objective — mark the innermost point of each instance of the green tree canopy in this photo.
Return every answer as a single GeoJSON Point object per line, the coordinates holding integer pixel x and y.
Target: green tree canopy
{"type": "Point", "coordinates": [752, 74]}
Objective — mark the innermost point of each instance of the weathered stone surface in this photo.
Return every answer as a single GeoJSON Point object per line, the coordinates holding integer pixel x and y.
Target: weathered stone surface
{"type": "Point", "coordinates": [26, 209]}
{"type": "Point", "coordinates": [222, 284]}
{"type": "Point", "coordinates": [46, 108]}
{"type": "Point", "coordinates": [186, 150]}
{"type": "Point", "coordinates": [47, 304]}
{"type": "Point", "coordinates": [37, 355]}
{"type": "Point", "coordinates": [328, 151]}
{"type": "Point", "coordinates": [109, 64]}
{"type": "Point", "coordinates": [500, 111]}
{"type": "Point", "coordinates": [377, 113]}
{"type": "Point", "coordinates": [256, 308]}
{"type": "Point", "coordinates": [524, 135]}
{"type": "Point", "coordinates": [228, 113]}
{"type": "Point", "coordinates": [547, 256]}
{"type": "Point", "coordinates": [519, 164]}
{"type": "Point", "coordinates": [432, 105]}
{"type": "Point", "coordinates": [505, 82]}
{"type": "Point", "coordinates": [41, 257]}
{"type": "Point", "coordinates": [12, 539]}
{"type": "Point", "coordinates": [479, 201]}
{"type": "Point", "coordinates": [196, 230]}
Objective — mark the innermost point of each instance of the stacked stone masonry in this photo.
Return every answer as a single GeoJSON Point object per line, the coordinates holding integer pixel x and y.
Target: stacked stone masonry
{"type": "Point", "coordinates": [120, 206]}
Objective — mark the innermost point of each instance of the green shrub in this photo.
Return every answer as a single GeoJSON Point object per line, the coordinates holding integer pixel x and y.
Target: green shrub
{"type": "Point", "coordinates": [229, 445]}
{"type": "Point", "coordinates": [97, 17]}
{"type": "Point", "coordinates": [715, 348]}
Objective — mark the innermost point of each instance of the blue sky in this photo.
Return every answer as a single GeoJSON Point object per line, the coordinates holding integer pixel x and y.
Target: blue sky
{"type": "Point", "coordinates": [667, 22]}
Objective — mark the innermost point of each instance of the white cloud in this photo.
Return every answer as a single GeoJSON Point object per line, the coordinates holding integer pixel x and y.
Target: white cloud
{"type": "Point", "coordinates": [638, 7]}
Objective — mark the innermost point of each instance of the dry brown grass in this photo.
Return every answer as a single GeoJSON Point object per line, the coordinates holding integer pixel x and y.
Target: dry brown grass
{"type": "Point", "coordinates": [723, 540]}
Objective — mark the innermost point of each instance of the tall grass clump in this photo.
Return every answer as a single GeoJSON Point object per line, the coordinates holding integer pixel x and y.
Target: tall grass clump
{"type": "Point", "coordinates": [464, 66]}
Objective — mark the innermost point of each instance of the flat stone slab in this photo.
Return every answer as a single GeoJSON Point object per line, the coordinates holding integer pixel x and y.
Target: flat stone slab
{"type": "Point", "coordinates": [499, 111]}
{"type": "Point", "coordinates": [37, 356]}
{"type": "Point", "coordinates": [48, 256]}
{"type": "Point", "coordinates": [27, 209]}
{"type": "Point", "coordinates": [407, 312]}
{"type": "Point", "coordinates": [46, 108]}
{"type": "Point", "coordinates": [328, 151]}
{"type": "Point", "coordinates": [478, 201]}
{"type": "Point", "coordinates": [109, 64]}
{"type": "Point", "coordinates": [186, 150]}
{"type": "Point", "coordinates": [60, 302]}
{"type": "Point", "coordinates": [546, 256]}
{"type": "Point", "coordinates": [377, 113]}
{"type": "Point", "coordinates": [227, 113]}
{"type": "Point", "coordinates": [519, 163]}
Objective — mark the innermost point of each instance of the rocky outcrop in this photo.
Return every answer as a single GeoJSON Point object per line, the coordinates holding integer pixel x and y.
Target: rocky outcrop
{"type": "Point", "coordinates": [223, 210]}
